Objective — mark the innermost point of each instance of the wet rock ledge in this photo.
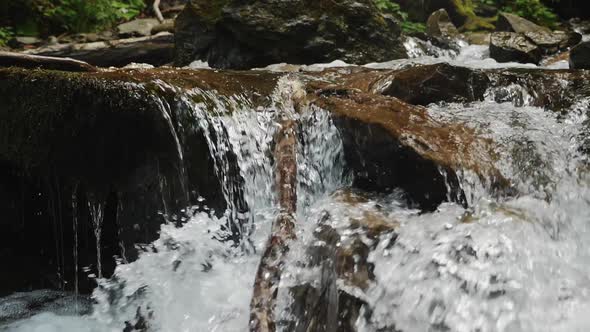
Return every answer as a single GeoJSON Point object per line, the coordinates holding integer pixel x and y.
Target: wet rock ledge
{"type": "Point", "coordinates": [126, 140]}
{"type": "Point", "coordinates": [71, 140]}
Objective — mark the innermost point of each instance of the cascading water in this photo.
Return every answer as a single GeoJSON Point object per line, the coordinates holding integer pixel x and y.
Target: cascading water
{"type": "Point", "coordinates": [176, 286]}
{"type": "Point", "coordinates": [503, 263]}
{"type": "Point", "coordinates": [75, 231]}
{"type": "Point", "coordinates": [488, 268]}
{"type": "Point", "coordinates": [97, 215]}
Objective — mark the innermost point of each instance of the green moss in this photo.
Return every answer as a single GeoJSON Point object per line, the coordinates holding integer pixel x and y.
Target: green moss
{"type": "Point", "coordinates": [392, 8]}
{"type": "Point", "coordinates": [62, 115]}
{"type": "Point", "coordinates": [533, 10]}
{"type": "Point", "coordinates": [6, 33]}
{"type": "Point", "coordinates": [466, 8]}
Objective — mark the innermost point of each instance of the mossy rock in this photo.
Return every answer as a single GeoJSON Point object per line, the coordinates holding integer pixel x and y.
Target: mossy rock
{"type": "Point", "coordinates": [108, 137]}
{"type": "Point", "coordinates": [462, 12]}
{"type": "Point", "coordinates": [246, 34]}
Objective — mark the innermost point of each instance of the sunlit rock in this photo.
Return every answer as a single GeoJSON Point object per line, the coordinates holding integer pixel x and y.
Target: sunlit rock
{"type": "Point", "coordinates": [555, 90]}
{"type": "Point", "coordinates": [513, 47]}
{"type": "Point", "coordinates": [247, 34]}
{"type": "Point", "coordinates": [513, 23]}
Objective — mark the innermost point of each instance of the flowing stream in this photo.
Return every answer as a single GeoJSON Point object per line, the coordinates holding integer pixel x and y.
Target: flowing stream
{"type": "Point", "coordinates": [518, 263]}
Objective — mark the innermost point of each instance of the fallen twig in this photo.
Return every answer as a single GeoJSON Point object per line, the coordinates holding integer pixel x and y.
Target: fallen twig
{"type": "Point", "coordinates": [156, 7]}
{"type": "Point", "coordinates": [11, 59]}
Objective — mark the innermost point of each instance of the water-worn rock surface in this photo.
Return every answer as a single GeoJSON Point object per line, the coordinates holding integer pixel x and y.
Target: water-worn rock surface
{"type": "Point", "coordinates": [247, 34]}
{"type": "Point", "coordinates": [552, 89]}
{"type": "Point", "coordinates": [513, 47]}
{"type": "Point", "coordinates": [66, 134]}
{"type": "Point", "coordinates": [385, 138]}
{"type": "Point", "coordinates": [521, 40]}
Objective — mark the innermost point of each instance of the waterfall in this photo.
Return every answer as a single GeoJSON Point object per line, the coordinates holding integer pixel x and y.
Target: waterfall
{"type": "Point", "coordinates": [513, 258]}
{"type": "Point", "coordinates": [191, 261]}
{"type": "Point", "coordinates": [75, 231]}
{"type": "Point", "coordinates": [97, 216]}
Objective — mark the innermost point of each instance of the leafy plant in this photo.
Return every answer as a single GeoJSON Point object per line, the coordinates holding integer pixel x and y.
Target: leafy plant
{"type": "Point", "coordinates": [390, 7]}
{"type": "Point", "coordinates": [533, 10]}
{"type": "Point", "coordinates": [6, 34]}
{"type": "Point", "coordinates": [409, 26]}
{"type": "Point", "coordinates": [90, 15]}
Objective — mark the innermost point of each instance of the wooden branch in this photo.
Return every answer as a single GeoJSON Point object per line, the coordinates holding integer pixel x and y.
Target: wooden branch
{"type": "Point", "coordinates": [156, 7]}
{"type": "Point", "coordinates": [286, 166]}
{"type": "Point", "coordinates": [10, 59]}
{"type": "Point", "coordinates": [268, 277]}
{"type": "Point", "coordinates": [156, 50]}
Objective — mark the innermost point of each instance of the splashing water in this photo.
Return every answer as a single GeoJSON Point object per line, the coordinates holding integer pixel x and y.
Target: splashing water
{"type": "Point", "coordinates": [517, 263]}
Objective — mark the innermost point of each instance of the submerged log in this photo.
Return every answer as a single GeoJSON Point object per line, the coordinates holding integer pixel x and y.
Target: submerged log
{"type": "Point", "coordinates": [10, 59]}
{"type": "Point", "coordinates": [283, 231]}
{"type": "Point", "coordinates": [156, 50]}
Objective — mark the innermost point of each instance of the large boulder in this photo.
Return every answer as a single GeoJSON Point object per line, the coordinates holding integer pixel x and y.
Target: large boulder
{"type": "Point", "coordinates": [554, 41]}
{"type": "Point", "coordinates": [548, 41]}
{"type": "Point", "coordinates": [514, 23]}
{"type": "Point", "coordinates": [580, 56]}
{"type": "Point", "coordinates": [246, 34]}
{"type": "Point", "coordinates": [439, 24]}
{"type": "Point", "coordinates": [514, 47]}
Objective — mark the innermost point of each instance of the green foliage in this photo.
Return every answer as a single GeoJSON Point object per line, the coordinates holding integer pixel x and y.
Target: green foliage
{"type": "Point", "coordinates": [6, 34]}
{"type": "Point", "coordinates": [44, 17]}
{"type": "Point", "coordinates": [390, 7]}
{"type": "Point", "coordinates": [90, 15]}
{"type": "Point", "coordinates": [409, 26]}
{"type": "Point", "coordinates": [533, 10]}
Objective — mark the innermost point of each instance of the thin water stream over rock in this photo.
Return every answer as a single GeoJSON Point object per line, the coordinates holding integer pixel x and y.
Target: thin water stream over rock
{"type": "Point", "coordinates": [417, 208]}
